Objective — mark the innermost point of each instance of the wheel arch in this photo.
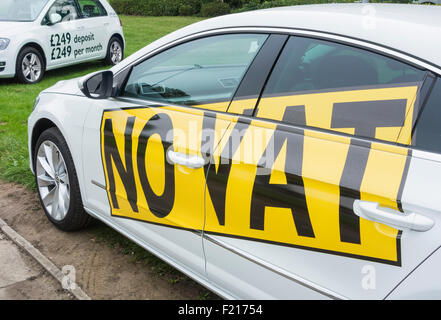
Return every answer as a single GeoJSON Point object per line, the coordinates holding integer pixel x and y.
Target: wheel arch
{"type": "Point", "coordinates": [39, 127]}
{"type": "Point", "coordinates": [75, 222]}
{"type": "Point", "coordinates": [60, 111]}
{"type": "Point", "coordinates": [120, 37]}
{"type": "Point", "coordinates": [36, 46]}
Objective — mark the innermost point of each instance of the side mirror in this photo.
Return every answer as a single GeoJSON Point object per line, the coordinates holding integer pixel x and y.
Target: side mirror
{"type": "Point", "coordinates": [54, 18]}
{"type": "Point", "coordinates": [98, 85]}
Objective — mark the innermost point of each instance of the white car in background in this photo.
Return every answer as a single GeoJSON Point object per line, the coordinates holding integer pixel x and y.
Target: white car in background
{"type": "Point", "coordinates": [290, 153]}
{"type": "Point", "coordinates": [40, 35]}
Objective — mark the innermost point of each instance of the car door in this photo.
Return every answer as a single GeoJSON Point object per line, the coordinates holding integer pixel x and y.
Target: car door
{"type": "Point", "coordinates": [421, 195]}
{"type": "Point", "coordinates": [144, 168]}
{"type": "Point", "coordinates": [312, 198]}
{"type": "Point", "coordinates": [59, 39]}
{"type": "Point", "coordinates": [92, 37]}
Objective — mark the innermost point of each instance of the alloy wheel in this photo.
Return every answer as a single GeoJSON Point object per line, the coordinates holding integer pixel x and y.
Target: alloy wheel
{"type": "Point", "coordinates": [31, 67]}
{"type": "Point", "coordinates": [115, 52]}
{"type": "Point", "coordinates": [53, 180]}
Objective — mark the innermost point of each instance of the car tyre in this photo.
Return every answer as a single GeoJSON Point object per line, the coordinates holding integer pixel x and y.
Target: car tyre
{"type": "Point", "coordinates": [57, 182]}
{"type": "Point", "coordinates": [115, 51]}
{"type": "Point", "coordinates": [30, 66]}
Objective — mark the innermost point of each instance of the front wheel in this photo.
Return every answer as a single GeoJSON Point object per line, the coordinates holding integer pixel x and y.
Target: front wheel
{"type": "Point", "coordinates": [57, 182]}
{"type": "Point", "coordinates": [30, 66]}
{"type": "Point", "coordinates": [115, 51]}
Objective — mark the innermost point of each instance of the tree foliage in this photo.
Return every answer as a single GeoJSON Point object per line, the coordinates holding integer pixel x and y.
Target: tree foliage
{"type": "Point", "coordinates": [207, 8]}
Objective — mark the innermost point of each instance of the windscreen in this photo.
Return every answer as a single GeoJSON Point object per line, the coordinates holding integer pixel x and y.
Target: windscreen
{"type": "Point", "coordinates": [21, 10]}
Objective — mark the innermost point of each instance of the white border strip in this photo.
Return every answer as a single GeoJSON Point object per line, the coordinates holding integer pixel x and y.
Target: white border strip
{"type": "Point", "coordinates": [78, 293]}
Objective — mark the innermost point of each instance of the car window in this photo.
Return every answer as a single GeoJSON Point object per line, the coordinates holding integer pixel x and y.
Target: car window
{"type": "Point", "coordinates": [311, 64]}
{"type": "Point", "coordinates": [343, 88]}
{"type": "Point", "coordinates": [202, 71]}
{"type": "Point", "coordinates": [67, 9]}
{"type": "Point", "coordinates": [427, 135]}
{"type": "Point", "coordinates": [91, 8]}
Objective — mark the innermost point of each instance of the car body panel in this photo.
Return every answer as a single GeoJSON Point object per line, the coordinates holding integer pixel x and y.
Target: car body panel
{"type": "Point", "coordinates": [69, 117]}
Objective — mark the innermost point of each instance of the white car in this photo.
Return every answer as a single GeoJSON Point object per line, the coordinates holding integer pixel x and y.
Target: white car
{"type": "Point", "coordinates": [291, 153]}
{"type": "Point", "coordinates": [40, 35]}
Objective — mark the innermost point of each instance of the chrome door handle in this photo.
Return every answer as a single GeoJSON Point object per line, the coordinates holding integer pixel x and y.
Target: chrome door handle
{"type": "Point", "coordinates": [190, 161]}
{"type": "Point", "coordinates": [373, 211]}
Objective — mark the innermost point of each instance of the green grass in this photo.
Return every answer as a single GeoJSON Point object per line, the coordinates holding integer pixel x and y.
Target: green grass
{"type": "Point", "coordinates": [16, 100]}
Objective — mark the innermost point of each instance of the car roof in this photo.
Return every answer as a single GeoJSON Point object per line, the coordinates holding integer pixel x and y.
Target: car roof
{"type": "Point", "coordinates": [412, 29]}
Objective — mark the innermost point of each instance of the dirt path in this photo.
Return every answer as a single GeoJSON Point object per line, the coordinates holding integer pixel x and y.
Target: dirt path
{"type": "Point", "coordinates": [102, 271]}
{"type": "Point", "coordinates": [22, 278]}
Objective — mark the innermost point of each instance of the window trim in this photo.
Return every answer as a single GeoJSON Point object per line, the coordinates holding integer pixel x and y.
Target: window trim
{"type": "Point", "coordinates": [429, 84]}
{"type": "Point", "coordinates": [122, 74]}
{"type": "Point", "coordinates": [257, 74]}
{"type": "Point", "coordinates": [425, 153]}
{"type": "Point", "coordinates": [359, 43]}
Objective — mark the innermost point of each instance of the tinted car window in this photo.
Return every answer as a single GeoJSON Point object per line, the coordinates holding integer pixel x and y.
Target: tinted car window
{"type": "Point", "coordinates": [91, 8]}
{"type": "Point", "coordinates": [67, 9]}
{"type": "Point", "coordinates": [342, 88]}
{"type": "Point", "coordinates": [197, 72]}
{"type": "Point", "coordinates": [427, 135]}
{"type": "Point", "coordinates": [311, 64]}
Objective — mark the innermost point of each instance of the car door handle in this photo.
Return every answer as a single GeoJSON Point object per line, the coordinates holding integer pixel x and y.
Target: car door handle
{"type": "Point", "coordinates": [81, 28]}
{"type": "Point", "coordinates": [190, 161]}
{"type": "Point", "coordinates": [373, 211]}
